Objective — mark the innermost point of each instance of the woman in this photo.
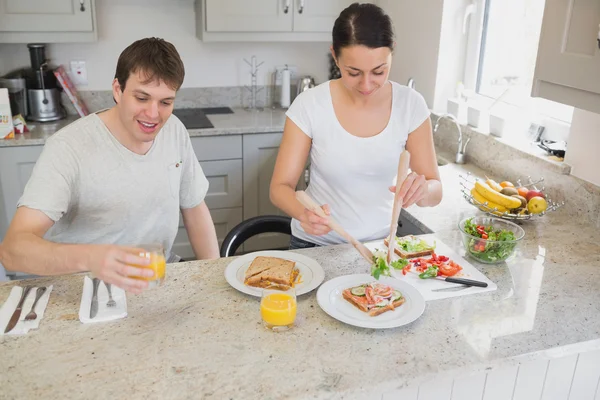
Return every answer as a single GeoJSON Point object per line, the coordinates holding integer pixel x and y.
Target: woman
{"type": "Point", "coordinates": [354, 129]}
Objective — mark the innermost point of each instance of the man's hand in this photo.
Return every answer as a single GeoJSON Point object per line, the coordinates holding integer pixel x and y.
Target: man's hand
{"type": "Point", "coordinates": [119, 266]}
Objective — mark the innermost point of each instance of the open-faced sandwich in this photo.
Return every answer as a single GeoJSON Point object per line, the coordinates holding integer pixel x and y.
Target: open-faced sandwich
{"type": "Point", "coordinates": [374, 298]}
{"type": "Point", "coordinates": [271, 271]}
{"type": "Point", "coordinates": [411, 246]}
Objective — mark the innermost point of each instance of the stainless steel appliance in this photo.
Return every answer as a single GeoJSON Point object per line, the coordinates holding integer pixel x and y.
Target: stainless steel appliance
{"type": "Point", "coordinates": [305, 83]}
{"type": "Point", "coordinates": [44, 105]}
{"type": "Point", "coordinates": [43, 95]}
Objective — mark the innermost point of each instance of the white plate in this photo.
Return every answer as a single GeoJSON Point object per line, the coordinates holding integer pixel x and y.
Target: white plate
{"type": "Point", "coordinates": [311, 272]}
{"type": "Point", "coordinates": [329, 297]}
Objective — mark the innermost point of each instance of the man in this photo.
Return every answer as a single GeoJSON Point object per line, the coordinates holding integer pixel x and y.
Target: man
{"type": "Point", "coordinates": [114, 180]}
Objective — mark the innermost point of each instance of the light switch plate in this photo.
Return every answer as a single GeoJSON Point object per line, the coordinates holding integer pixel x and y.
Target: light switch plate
{"type": "Point", "coordinates": [79, 73]}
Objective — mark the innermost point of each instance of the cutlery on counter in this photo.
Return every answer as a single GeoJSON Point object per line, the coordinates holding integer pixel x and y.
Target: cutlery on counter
{"type": "Point", "coordinates": [17, 313]}
{"type": "Point", "coordinates": [94, 304]}
{"type": "Point", "coordinates": [38, 295]}
{"type": "Point", "coordinates": [111, 302]}
{"type": "Point", "coordinates": [311, 205]}
{"type": "Point", "coordinates": [403, 164]}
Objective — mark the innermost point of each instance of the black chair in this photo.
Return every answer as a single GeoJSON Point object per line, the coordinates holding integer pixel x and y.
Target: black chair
{"type": "Point", "coordinates": [252, 227]}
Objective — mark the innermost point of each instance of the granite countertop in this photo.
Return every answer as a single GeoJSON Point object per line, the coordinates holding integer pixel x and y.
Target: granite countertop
{"type": "Point", "coordinates": [240, 122]}
{"type": "Point", "coordinates": [197, 337]}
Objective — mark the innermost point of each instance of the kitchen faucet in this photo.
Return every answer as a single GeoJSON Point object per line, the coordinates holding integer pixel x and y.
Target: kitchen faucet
{"type": "Point", "coordinates": [460, 152]}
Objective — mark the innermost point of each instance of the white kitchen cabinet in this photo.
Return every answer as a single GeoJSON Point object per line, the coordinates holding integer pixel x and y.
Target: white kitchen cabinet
{"type": "Point", "coordinates": [47, 21]}
{"type": "Point", "coordinates": [16, 165]}
{"type": "Point", "coordinates": [317, 15]}
{"type": "Point", "coordinates": [260, 153]}
{"type": "Point", "coordinates": [237, 16]}
{"type": "Point", "coordinates": [568, 62]}
{"type": "Point", "coordinates": [267, 20]}
{"type": "Point", "coordinates": [224, 220]}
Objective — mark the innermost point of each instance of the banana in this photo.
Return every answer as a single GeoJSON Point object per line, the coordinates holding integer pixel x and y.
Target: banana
{"type": "Point", "coordinates": [482, 200]}
{"type": "Point", "coordinates": [493, 184]}
{"type": "Point", "coordinates": [495, 197]}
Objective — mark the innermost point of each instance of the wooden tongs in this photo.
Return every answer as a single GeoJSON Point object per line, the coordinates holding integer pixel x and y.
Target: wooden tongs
{"type": "Point", "coordinates": [398, 200]}
{"type": "Point", "coordinates": [311, 205]}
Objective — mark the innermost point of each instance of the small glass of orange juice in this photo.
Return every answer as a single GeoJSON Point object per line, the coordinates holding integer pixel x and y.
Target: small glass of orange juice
{"type": "Point", "coordinates": [278, 308]}
{"type": "Point", "coordinates": [156, 254]}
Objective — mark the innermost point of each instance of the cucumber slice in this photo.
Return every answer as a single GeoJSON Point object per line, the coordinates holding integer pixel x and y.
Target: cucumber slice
{"type": "Point", "coordinates": [382, 303]}
{"type": "Point", "coordinates": [396, 295]}
{"type": "Point", "coordinates": [358, 291]}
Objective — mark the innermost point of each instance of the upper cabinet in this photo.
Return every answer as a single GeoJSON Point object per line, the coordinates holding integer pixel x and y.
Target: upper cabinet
{"type": "Point", "coordinates": [568, 63]}
{"type": "Point", "coordinates": [47, 21]}
{"type": "Point", "coordinates": [267, 20]}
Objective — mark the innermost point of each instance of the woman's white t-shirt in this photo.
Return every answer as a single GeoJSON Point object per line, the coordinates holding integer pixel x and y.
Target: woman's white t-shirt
{"type": "Point", "coordinates": [353, 174]}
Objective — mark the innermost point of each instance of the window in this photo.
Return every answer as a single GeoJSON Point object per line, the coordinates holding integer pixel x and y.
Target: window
{"type": "Point", "coordinates": [504, 37]}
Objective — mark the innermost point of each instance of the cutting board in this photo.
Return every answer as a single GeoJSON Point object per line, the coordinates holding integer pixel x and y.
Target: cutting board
{"type": "Point", "coordinates": [428, 287]}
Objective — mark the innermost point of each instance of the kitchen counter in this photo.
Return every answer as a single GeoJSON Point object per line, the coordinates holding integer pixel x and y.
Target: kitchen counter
{"type": "Point", "coordinates": [240, 122]}
{"type": "Point", "coordinates": [196, 337]}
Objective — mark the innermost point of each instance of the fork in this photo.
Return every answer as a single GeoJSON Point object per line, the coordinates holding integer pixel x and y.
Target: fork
{"type": "Point", "coordinates": [111, 302]}
{"type": "Point", "coordinates": [38, 294]}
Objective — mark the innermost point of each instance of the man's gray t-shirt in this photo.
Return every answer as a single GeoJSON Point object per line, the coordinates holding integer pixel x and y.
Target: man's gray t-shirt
{"type": "Point", "coordinates": [99, 192]}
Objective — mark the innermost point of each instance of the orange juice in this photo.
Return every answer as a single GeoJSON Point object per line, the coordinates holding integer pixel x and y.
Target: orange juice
{"type": "Point", "coordinates": [278, 310]}
{"type": "Point", "coordinates": [157, 264]}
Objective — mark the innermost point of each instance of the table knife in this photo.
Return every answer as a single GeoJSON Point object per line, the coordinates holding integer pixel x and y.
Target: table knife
{"type": "Point", "coordinates": [94, 305]}
{"type": "Point", "coordinates": [463, 281]}
{"type": "Point", "coordinates": [15, 317]}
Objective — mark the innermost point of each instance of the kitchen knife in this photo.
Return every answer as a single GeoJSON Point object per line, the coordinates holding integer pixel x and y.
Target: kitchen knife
{"type": "Point", "coordinates": [311, 205]}
{"type": "Point", "coordinates": [462, 281]}
{"type": "Point", "coordinates": [403, 164]}
{"type": "Point", "coordinates": [94, 305]}
{"type": "Point", "coordinates": [15, 317]}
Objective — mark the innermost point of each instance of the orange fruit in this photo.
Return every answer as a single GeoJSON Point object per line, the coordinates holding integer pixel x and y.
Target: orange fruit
{"type": "Point", "coordinates": [506, 184]}
{"type": "Point", "coordinates": [523, 191]}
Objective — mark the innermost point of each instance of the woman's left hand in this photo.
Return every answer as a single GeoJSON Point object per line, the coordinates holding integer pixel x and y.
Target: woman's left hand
{"type": "Point", "coordinates": [414, 189]}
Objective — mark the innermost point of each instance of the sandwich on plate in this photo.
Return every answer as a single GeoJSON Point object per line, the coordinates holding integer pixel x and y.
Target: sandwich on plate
{"type": "Point", "coordinates": [411, 246]}
{"type": "Point", "coordinates": [374, 298]}
{"type": "Point", "coordinates": [271, 271]}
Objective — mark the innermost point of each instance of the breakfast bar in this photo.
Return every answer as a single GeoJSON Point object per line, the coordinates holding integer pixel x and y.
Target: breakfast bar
{"type": "Point", "coordinates": [198, 337]}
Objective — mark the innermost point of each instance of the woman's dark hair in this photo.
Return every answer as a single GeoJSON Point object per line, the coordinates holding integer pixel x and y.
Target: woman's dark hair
{"type": "Point", "coordinates": [362, 24]}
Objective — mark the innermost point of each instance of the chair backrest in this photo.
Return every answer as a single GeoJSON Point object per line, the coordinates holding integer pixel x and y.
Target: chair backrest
{"type": "Point", "coordinates": [252, 227]}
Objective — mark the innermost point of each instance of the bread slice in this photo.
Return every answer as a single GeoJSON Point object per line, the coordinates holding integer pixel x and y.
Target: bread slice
{"type": "Point", "coordinates": [361, 303]}
{"type": "Point", "coordinates": [405, 254]}
{"type": "Point", "coordinates": [268, 271]}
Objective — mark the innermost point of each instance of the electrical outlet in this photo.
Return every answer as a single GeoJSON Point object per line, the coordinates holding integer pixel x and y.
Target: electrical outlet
{"type": "Point", "coordinates": [79, 73]}
{"type": "Point", "coordinates": [279, 69]}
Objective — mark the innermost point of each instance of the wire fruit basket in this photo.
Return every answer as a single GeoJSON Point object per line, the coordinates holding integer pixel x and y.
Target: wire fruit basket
{"type": "Point", "coordinates": [468, 181]}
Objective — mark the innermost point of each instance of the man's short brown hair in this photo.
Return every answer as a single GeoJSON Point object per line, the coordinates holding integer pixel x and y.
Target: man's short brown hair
{"type": "Point", "coordinates": [156, 58]}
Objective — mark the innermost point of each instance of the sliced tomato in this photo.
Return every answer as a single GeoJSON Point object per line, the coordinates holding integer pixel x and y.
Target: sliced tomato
{"type": "Point", "coordinates": [450, 269]}
{"type": "Point", "coordinates": [443, 258]}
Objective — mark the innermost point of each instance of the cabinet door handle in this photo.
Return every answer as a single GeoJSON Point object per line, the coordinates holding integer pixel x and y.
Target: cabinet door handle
{"type": "Point", "coordinates": [286, 6]}
{"type": "Point", "coordinates": [301, 8]}
{"type": "Point", "coordinates": [82, 7]}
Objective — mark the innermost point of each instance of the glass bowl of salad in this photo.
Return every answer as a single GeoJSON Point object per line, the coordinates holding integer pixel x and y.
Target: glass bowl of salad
{"type": "Point", "coordinates": [490, 240]}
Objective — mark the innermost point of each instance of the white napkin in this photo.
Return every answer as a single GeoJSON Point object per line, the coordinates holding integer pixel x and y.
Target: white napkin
{"type": "Point", "coordinates": [10, 305]}
{"type": "Point", "coordinates": [104, 313]}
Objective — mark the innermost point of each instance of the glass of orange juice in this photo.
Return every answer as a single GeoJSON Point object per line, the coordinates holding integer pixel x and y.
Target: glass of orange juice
{"type": "Point", "coordinates": [278, 308]}
{"type": "Point", "coordinates": [156, 254]}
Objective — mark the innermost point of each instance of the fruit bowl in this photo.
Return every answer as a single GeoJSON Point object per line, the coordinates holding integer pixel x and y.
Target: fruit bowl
{"type": "Point", "coordinates": [521, 203]}
{"type": "Point", "coordinates": [501, 244]}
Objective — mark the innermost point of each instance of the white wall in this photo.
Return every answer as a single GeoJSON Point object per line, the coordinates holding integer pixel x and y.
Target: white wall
{"type": "Point", "coordinates": [417, 26]}
{"type": "Point", "coordinates": [207, 64]}
{"type": "Point", "coordinates": [430, 46]}
{"type": "Point", "coordinates": [583, 145]}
